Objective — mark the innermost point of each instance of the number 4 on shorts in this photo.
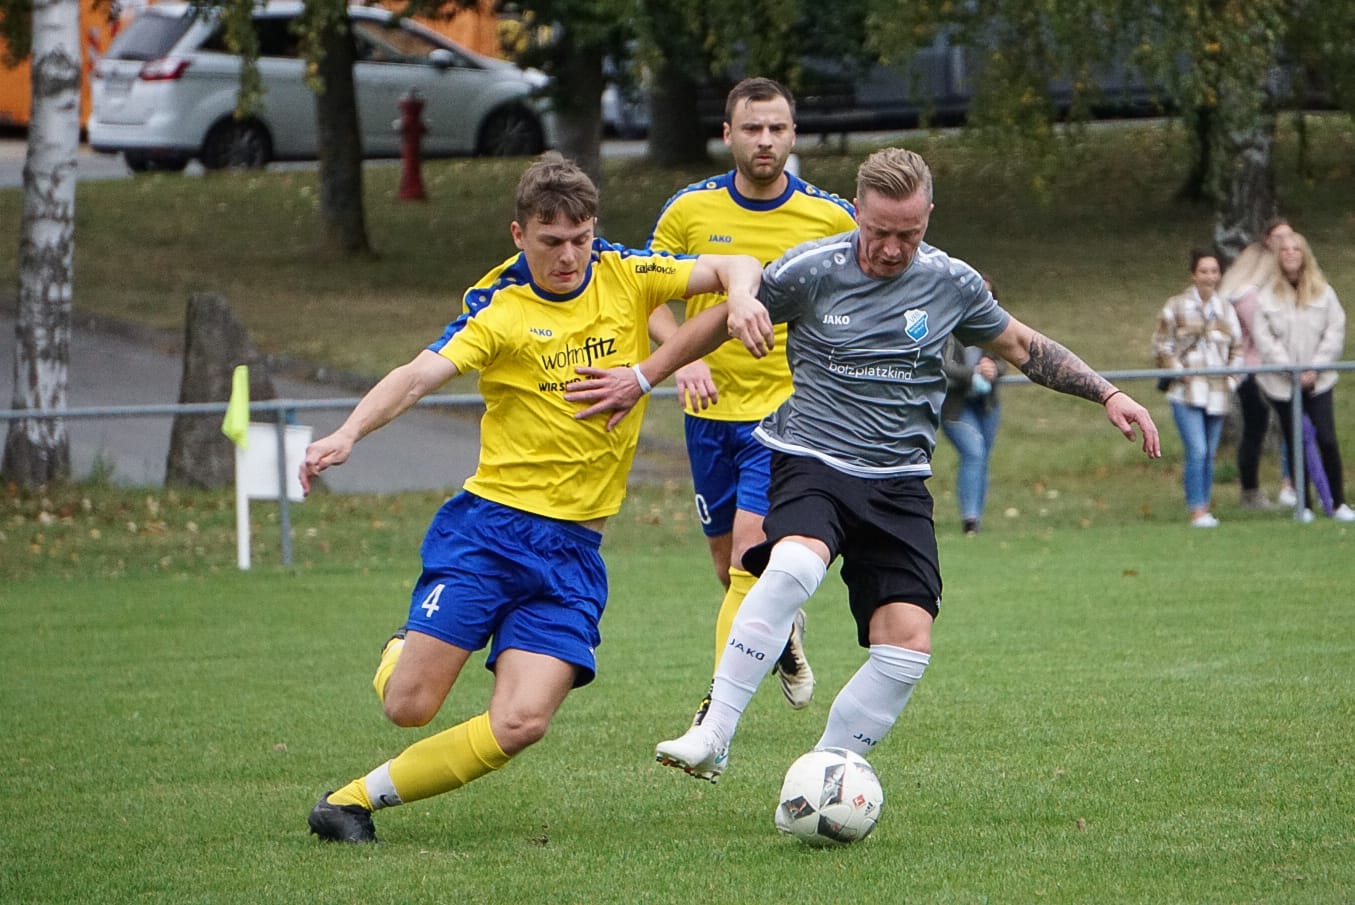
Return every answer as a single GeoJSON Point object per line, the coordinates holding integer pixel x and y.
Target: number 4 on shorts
{"type": "Point", "coordinates": [430, 603]}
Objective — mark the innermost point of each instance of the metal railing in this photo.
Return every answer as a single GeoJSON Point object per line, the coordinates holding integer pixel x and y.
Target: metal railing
{"type": "Point", "coordinates": [1296, 458]}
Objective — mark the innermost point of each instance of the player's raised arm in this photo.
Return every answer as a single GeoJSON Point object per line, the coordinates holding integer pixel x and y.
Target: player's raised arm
{"type": "Point", "coordinates": [1052, 365]}
{"type": "Point", "coordinates": [383, 403]}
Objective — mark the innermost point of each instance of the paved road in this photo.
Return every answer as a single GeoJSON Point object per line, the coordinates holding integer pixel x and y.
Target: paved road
{"type": "Point", "coordinates": [89, 165]}
{"type": "Point", "coordinates": [93, 165]}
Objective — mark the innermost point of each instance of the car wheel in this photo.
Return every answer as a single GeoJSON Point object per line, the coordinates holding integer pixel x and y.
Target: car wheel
{"type": "Point", "coordinates": [138, 162]}
{"type": "Point", "coordinates": [510, 132]}
{"type": "Point", "coordinates": [238, 144]}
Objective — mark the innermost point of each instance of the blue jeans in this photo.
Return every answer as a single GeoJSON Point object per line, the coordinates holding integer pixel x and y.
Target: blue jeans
{"type": "Point", "coordinates": [1200, 433]}
{"type": "Point", "coordinates": [973, 435]}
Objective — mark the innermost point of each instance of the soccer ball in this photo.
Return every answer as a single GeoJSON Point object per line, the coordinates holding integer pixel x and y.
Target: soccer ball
{"type": "Point", "coordinates": [831, 796]}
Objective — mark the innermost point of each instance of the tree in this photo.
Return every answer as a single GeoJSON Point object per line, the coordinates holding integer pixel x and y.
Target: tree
{"type": "Point", "coordinates": [695, 46]}
{"type": "Point", "coordinates": [37, 451]}
{"type": "Point", "coordinates": [569, 40]}
{"type": "Point", "coordinates": [1228, 96]}
{"type": "Point", "coordinates": [327, 46]}
{"type": "Point", "coordinates": [1223, 63]}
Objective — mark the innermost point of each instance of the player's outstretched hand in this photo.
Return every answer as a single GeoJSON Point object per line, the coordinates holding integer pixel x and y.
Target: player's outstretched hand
{"type": "Point", "coordinates": [331, 450]}
{"type": "Point", "coordinates": [696, 387]}
{"type": "Point", "coordinates": [1124, 413]}
{"type": "Point", "coordinates": [614, 390]}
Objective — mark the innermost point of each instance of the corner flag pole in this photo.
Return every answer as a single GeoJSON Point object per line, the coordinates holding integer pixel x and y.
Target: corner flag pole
{"type": "Point", "coordinates": [236, 426]}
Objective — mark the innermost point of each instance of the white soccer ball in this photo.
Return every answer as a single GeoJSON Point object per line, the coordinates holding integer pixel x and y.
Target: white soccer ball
{"type": "Point", "coordinates": [831, 796]}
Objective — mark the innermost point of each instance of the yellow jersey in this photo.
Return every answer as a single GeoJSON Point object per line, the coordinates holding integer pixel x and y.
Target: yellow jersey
{"type": "Point", "coordinates": [526, 343]}
{"type": "Point", "coordinates": [711, 217]}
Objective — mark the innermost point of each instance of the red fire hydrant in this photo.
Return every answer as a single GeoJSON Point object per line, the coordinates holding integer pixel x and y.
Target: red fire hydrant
{"type": "Point", "coordinates": [412, 131]}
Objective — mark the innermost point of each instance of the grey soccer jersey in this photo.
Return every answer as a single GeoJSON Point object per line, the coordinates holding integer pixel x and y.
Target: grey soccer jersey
{"type": "Point", "coordinates": [865, 353]}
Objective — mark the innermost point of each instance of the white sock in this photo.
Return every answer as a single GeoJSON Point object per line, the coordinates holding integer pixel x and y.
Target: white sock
{"type": "Point", "coordinates": [871, 701]}
{"type": "Point", "coordinates": [759, 632]}
{"type": "Point", "coordinates": [380, 789]}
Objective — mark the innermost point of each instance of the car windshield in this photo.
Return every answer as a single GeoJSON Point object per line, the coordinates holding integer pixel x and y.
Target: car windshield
{"type": "Point", "coordinates": [389, 43]}
{"type": "Point", "coordinates": [149, 36]}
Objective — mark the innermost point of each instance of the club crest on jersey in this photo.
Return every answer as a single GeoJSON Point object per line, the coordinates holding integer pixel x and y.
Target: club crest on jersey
{"type": "Point", "coordinates": [915, 324]}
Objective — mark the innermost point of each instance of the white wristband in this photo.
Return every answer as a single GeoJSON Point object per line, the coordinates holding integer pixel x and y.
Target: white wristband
{"type": "Point", "coordinates": [645, 385]}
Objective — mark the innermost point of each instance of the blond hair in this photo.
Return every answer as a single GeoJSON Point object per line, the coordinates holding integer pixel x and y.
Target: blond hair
{"type": "Point", "coordinates": [1253, 268]}
{"type": "Point", "coordinates": [1311, 283]}
{"type": "Point", "coordinates": [895, 173]}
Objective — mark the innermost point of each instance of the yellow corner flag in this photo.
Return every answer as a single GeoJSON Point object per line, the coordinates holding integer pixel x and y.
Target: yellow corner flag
{"type": "Point", "coordinates": [236, 423]}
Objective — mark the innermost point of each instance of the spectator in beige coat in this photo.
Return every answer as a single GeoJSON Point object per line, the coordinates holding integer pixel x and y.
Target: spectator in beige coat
{"type": "Point", "coordinates": [1299, 320]}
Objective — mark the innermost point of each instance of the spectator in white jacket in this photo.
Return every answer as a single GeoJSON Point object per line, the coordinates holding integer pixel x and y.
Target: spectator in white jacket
{"type": "Point", "coordinates": [1299, 320]}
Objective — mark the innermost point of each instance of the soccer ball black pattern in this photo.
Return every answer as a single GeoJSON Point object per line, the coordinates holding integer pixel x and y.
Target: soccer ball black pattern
{"type": "Point", "coordinates": [830, 796]}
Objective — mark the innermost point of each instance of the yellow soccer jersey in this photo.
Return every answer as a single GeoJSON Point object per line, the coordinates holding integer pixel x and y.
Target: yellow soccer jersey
{"type": "Point", "coordinates": [711, 217]}
{"type": "Point", "coordinates": [526, 343]}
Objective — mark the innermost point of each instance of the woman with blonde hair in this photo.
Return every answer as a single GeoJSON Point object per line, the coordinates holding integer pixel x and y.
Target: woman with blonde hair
{"type": "Point", "coordinates": [1299, 320]}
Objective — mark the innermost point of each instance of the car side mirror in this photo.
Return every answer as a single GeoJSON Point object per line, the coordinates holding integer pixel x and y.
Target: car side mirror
{"type": "Point", "coordinates": [441, 58]}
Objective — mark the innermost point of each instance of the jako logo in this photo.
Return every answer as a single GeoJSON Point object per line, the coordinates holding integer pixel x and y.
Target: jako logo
{"type": "Point", "coordinates": [539, 331]}
{"type": "Point", "coordinates": [839, 319]}
{"type": "Point", "coordinates": [738, 646]}
{"type": "Point", "coordinates": [723, 240]}
{"type": "Point", "coordinates": [655, 267]}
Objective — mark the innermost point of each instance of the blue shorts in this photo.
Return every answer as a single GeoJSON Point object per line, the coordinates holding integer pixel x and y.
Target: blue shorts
{"type": "Point", "coordinates": [730, 470]}
{"type": "Point", "coordinates": [528, 582]}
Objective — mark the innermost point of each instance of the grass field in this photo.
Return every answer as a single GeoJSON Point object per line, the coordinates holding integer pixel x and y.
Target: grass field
{"type": "Point", "coordinates": [1120, 709]}
{"type": "Point", "coordinates": [1121, 713]}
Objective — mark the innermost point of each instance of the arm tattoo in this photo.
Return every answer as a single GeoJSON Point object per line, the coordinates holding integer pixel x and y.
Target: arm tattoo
{"type": "Point", "coordinates": [1053, 366]}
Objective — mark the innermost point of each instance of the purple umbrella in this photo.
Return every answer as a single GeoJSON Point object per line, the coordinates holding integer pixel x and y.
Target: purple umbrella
{"type": "Point", "coordinates": [1313, 459]}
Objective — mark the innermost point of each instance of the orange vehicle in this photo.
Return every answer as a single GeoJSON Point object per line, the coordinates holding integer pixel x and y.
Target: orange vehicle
{"type": "Point", "coordinates": [98, 24]}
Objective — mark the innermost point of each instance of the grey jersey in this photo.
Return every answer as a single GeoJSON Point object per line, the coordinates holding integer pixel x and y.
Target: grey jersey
{"type": "Point", "coordinates": [865, 353]}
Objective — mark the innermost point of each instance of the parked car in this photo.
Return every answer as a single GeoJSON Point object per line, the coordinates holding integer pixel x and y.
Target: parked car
{"type": "Point", "coordinates": [935, 85]}
{"type": "Point", "coordinates": [167, 89]}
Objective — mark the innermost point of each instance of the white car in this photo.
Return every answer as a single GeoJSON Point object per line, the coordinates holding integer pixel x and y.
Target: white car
{"type": "Point", "coordinates": [167, 91]}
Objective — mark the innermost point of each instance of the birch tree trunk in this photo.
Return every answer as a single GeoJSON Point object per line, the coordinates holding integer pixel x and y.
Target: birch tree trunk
{"type": "Point", "coordinates": [37, 451]}
{"type": "Point", "coordinates": [1248, 202]}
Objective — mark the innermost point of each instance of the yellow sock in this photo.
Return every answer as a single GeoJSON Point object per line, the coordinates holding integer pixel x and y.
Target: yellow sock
{"type": "Point", "coordinates": [447, 760]}
{"type": "Point", "coordinates": [740, 583]}
{"type": "Point", "coordinates": [353, 793]}
{"type": "Point", "coordinates": [390, 655]}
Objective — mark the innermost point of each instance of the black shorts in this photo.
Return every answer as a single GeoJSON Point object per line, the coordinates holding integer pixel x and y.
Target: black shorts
{"type": "Point", "coordinates": [881, 527]}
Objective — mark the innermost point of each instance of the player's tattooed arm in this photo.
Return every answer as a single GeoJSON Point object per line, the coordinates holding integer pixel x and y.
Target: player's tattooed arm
{"type": "Point", "coordinates": [1052, 365]}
